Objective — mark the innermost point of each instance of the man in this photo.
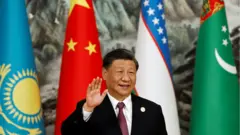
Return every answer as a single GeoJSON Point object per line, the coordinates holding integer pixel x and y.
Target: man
{"type": "Point", "coordinates": [116, 111]}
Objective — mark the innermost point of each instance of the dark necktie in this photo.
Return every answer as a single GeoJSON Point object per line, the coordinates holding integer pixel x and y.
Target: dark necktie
{"type": "Point", "coordinates": [121, 119]}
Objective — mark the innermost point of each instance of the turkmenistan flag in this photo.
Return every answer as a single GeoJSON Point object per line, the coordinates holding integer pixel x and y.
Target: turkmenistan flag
{"type": "Point", "coordinates": [215, 106]}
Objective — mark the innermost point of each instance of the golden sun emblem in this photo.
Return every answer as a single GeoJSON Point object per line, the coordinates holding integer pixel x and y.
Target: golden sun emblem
{"type": "Point", "coordinates": [4, 70]}
{"type": "Point", "coordinates": [22, 97]}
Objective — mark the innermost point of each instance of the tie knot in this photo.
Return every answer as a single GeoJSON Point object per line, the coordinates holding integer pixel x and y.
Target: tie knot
{"type": "Point", "coordinates": [120, 105]}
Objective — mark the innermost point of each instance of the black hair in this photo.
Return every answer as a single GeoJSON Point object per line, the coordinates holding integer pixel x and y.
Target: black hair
{"type": "Point", "coordinates": [119, 54]}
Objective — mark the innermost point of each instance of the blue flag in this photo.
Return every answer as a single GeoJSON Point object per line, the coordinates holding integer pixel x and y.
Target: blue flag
{"type": "Point", "coordinates": [20, 104]}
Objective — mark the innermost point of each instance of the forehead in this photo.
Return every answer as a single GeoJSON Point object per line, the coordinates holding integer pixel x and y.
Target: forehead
{"type": "Point", "coordinates": [123, 63]}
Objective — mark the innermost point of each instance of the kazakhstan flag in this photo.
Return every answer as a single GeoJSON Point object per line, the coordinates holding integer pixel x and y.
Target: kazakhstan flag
{"type": "Point", "coordinates": [20, 104]}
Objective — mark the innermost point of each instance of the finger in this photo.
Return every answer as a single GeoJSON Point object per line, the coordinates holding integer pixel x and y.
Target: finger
{"type": "Point", "coordinates": [99, 83]}
{"type": "Point", "coordinates": [94, 92]}
{"type": "Point", "coordinates": [104, 93]}
{"type": "Point", "coordinates": [93, 84]}
{"type": "Point", "coordinates": [96, 83]}
{"type": "Point", "coordinates": [89, 88]}
{"type": "Point", "coordinates": [97, 90]}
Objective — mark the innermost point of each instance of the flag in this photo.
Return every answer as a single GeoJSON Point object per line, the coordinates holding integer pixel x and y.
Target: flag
{"type": "Point", "coordinates": [154, 78]}
{"type": "Point", "coordinates": [20, 102]}
{"type": "Point", "coordinates": [81, 60]}
{"type": "Point", "coordinates": [215, 104]}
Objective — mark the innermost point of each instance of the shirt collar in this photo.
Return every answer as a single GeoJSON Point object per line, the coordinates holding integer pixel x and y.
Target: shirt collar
{"type": "Point", "coordinates": [127, 101]}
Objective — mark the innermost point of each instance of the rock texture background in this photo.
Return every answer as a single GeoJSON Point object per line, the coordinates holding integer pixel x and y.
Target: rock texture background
{"type": "Point", "coordinates": [117, 23]}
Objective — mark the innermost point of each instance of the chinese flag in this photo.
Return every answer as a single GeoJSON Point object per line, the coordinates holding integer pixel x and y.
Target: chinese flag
{"type": "Point", "coordinates": [81, 61]}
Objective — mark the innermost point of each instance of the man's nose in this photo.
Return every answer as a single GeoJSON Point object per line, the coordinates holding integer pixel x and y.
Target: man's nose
{"type": "Point", "coordinates": [125, 77]}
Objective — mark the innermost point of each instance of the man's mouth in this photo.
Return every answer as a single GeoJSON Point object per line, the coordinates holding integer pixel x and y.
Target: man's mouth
{"type": "Point", "coordinates": [124, 86]}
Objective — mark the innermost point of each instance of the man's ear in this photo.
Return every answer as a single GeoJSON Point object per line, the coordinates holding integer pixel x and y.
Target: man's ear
{"type": "Point", "coordinates": [104, 73]}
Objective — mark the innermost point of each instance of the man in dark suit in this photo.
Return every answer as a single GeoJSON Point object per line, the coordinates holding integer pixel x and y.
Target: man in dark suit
{"type": "Point", "coordinates": [116, 111]}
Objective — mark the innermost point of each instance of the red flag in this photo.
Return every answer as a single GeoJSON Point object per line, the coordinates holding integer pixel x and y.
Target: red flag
{"type": "Point", "coordinates": [82, 60]}
{"type": "Point", "coordinates": [210, 7]}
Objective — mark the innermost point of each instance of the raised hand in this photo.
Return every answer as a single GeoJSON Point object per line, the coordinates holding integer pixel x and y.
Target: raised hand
{"type": "Point", "coordinates": [94, 97]}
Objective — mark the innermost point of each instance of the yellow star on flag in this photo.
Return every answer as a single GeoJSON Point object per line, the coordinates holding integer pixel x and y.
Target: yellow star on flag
{"type": "Point", "coordinates": [91, 48]}
{"type": "Point", "coordinates": [71, 45]}
{"type": "Point", "coordinates": [78, 2]}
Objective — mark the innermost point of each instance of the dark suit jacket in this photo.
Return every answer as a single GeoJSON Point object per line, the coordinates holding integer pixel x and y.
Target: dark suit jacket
{"type": "Point", "coordinates": [103, 120]}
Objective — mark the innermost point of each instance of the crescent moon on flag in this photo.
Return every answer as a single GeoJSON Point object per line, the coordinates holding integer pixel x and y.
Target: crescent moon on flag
{"type": "Point", "coordinates": [227, 67]}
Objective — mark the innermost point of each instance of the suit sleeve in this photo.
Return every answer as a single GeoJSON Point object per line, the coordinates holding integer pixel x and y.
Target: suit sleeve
{"type": "Point", "coordinates": [161, 122]}
{"type": "Point", "coordinates": [74, 124]}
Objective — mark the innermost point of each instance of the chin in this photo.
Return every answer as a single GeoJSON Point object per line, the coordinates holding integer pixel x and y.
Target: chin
{"type": "Point", "coordinates": [125, 92]}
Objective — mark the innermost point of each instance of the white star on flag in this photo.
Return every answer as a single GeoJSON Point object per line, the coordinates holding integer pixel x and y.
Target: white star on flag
{"type": "Point", "coordinates": [163, 16]}
{"type": "Point", "coordinates": [225, 42]}
{"type": "Point", "coordinates": [155, 21]}
{"type": "Point", "coordinates": [164, 40]}
{"type": "Point", "coordinates": [160, 30]}
{"type": "Point", "coordinates": [146, 3]}
{"type": "Point", "coordinates": [160, 6]}
{"type": "Point", "coordinates": [150, 11]}
{"type": "Point", "coordinates": [224, 28]}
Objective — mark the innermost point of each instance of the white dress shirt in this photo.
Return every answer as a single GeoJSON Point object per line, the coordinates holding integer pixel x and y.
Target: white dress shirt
{"type": "Point", "coordinates": [127, 110]}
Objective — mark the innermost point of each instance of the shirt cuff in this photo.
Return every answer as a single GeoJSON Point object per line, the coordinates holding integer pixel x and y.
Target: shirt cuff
{"type": "Point", "coordinates": [86, 115]}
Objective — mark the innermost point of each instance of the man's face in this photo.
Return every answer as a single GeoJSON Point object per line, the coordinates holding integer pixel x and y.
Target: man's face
{"type": "Point", "coordinates": [120, 78]}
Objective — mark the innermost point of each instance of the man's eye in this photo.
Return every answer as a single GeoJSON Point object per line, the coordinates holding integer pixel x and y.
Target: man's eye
{"type": "Point", "coordinates": [131, 72]}
{"type": "Point", "coordinates": [120, 71]}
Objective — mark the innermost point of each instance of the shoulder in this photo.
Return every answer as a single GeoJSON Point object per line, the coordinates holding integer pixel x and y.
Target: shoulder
{"type": "Point", "coordinates": [145, 102]}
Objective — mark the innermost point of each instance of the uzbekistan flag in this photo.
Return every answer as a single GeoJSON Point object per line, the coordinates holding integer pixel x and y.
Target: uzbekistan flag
{"type": "Point", "coordinates": [154, 76]}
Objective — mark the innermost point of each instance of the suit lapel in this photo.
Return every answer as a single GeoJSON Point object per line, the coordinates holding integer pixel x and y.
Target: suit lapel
{"type": "Point", "coordinates": [105, 113]}
{"type": "Point", "coordinates": [107, 108]}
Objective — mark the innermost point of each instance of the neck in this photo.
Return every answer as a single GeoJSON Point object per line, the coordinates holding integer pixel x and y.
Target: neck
{"type": "Point", "coordinates": [117, 96]}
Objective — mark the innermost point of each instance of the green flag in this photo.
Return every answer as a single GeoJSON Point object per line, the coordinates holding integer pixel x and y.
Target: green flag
{"type": "Point", "coordinates": [215, 105]}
